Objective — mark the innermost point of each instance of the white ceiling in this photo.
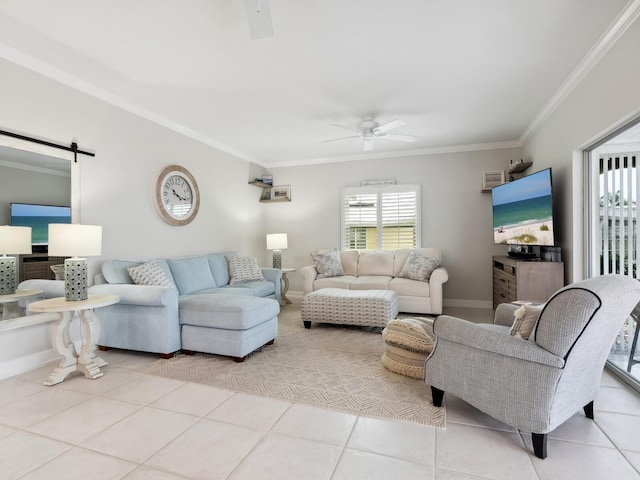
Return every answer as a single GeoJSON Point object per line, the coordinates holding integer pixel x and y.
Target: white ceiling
{"type": "Point", "coordinates": [463, 74]}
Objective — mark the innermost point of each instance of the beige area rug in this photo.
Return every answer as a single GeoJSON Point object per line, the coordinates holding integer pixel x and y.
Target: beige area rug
{"type": "Point", "coordinates": [335, 367]}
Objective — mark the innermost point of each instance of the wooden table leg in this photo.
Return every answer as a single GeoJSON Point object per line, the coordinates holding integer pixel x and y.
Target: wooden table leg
{"type": "Point", "coordinates": [88, 363]}
{"type": "Point", "coordinates": [64, 346]}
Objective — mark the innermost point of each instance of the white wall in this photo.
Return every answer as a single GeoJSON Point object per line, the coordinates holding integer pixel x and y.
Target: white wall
{"type": "Point", "coordinates": [116, 185]}
{"type": "Point", "coordinates": [608, 95]}
{"type": "Point", "coordinates": [456, 215]}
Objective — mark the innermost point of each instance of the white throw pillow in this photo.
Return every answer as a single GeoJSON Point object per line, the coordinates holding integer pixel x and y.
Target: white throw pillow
{"type": "Point", "coordinates": [243, 269]}
{"type": "Point", "coordinates": [328, 263]}
{"type": "Point", "coordinates": [150, 273]}
{"type": "Point", "coordinates": [525, 318]}
{"type": "Point", "coordinates": [418, 267]}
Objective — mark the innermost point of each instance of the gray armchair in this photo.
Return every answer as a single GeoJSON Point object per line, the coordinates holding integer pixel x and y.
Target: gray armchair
{"type": "Point", "coordinates": [536, 384]}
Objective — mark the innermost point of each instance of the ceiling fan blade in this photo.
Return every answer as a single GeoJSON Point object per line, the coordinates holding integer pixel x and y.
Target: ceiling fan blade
{"type": "Point", "coordinates": [346, 128]}
{"type": "Point", "coordinates": [402, 138]}
{"type": "Point", "coordinates": [341, 138]}
{"type": "Point", "coordinates": [385, 127]}
{"type": "Point", "coordinates": [367, 143]}
{"type": "Point", "coordinates": [259, 15]}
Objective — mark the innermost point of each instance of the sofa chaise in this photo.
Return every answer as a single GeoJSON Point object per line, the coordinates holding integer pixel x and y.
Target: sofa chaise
{"type": "Point", "coordinates": [384, 271]}
{"type": "Point", "coordinates": [200, 308]}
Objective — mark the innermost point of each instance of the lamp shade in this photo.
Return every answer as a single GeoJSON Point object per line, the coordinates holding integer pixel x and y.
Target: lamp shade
{"type": "Point", "coordinates": [276, 241]}
{"type": "Point", "coordinates": [15, 240]}
{"type": "Point", "coordinates": [74, 240]}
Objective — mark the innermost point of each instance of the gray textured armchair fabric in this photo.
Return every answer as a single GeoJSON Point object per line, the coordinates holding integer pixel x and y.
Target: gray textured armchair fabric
{"type": "Point", "coordinates": [536, 384]}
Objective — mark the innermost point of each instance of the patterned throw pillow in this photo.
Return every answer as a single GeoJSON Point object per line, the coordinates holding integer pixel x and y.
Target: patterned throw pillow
{"type": "Point", "coordinates": [418, 267]}
{"type": "Point", "coordinates": [328, 263]}
{"type": "Point", "coordinates": [150, 273]}
{"type": "Point", "coordinates": [524, 319]}
{"type": "Point", "coordinates": [243, 269]}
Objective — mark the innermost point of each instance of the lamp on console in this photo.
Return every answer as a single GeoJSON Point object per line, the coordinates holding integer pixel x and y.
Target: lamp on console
{"type": "Point", "coordinates": [75, 240]}
{"type": "Point", "coordinates": [15, 240]}
{"type": "Point", "coordinates": [277, 242]}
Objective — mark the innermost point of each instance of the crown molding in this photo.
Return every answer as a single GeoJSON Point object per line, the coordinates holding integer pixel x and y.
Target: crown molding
{"type": "Point", "coordinates": [398, 154]}
{"type": "Point", "coordinates": [617, 28]}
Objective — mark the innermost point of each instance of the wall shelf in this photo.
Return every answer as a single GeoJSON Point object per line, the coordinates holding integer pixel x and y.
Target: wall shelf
{"type": "Point", "coordinates": [520, 167]}
{"type": "Point", "coordinates": [279, 200]}
{"type": "Point", "coordinates": [260, 184]}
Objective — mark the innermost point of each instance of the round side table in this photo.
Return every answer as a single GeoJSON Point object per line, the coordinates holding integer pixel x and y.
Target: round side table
{"type": "Point", "coordinates": [285, 286]}
{"type": "Point", "coordinates": [9, 310]}
{"type": "Point", "coordinates": [71, 361]}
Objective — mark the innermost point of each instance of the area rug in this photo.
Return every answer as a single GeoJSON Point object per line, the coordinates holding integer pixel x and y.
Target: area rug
{"type": "Point", "coordinates": [330, 366]}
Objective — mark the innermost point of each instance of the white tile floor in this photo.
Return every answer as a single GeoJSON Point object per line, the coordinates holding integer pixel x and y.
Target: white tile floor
{"type": "Point", "coordinates": [135, 427]}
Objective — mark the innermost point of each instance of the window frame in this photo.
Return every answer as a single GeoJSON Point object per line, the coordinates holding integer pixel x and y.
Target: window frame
{"type": "Point", "coordinates": [379, 191]}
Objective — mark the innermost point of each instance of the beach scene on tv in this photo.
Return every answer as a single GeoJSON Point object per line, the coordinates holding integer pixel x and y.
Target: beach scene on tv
{"type": "Point", "coordinates": [38, 217]}
{"type": "Point", "coordinates": [522, 211]}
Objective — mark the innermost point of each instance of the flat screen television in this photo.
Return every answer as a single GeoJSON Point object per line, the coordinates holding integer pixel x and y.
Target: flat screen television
{"type": "Point", "coordinates": [38, 217]}
{"type": "Point", "coordinates": [523, 211]}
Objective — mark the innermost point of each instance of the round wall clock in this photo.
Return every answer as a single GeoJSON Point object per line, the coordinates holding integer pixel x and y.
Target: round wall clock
{"type": "Point", "coordinates": [176, 196]}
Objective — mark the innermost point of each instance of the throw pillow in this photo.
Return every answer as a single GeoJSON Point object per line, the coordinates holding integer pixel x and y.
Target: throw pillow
{"type": "Point", "coordinates": [243, 269]}
{"type": "Point", "coordinates": [524, 320]}
{"type": "Point", "coordinates": [150, 273]}
{"type": "Point", "coordinates": [328, 263]}
{"type": "Point", "coordinates": [418, 267]}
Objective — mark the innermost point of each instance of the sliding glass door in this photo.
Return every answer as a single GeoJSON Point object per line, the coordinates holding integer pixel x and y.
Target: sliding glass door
{"type": "Point", "coordinates": [613, 196]}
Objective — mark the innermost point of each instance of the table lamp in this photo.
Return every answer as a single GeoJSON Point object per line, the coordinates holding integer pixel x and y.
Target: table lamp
{"type": "Point", "coordinates": [15, 240]}
{"type": "Point", "coordinates": [75, 240]}
{"type": "Point", "coordinates": [277, 242]}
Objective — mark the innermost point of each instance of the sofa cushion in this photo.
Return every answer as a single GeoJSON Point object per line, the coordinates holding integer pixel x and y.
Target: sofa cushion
{"type": "Point", "coordinates": [370, 282]}
{"type": "Point", "coordinates": [328, 263]}
{"type": "Point", "coordinates": [333, 282]}
{"type": "Point", "coordinates": [418, 267]}
{"type": "Point", "coordinates": [191, 274]}
{"type": "Point", "coordinates": [243, 269]}
{"type": "Point", "coordinates": [375, 263]}
{"type": "Point", "coordinates": [229, 312]}
{"type": "Point", "coordinates": [403, 253]}
{"type": "Point", "coordinates": [115, 271]}
{"type": "Point", "coordinates": [151, 273]}
{"type": "Point", "coordinates": [349, 260]}
{"type": "Point", "coordinates": [220, 267]}
{"type": "Point", "coordinates": [409, 288]}
{"type": "Point", "coordinates": [257, 288]}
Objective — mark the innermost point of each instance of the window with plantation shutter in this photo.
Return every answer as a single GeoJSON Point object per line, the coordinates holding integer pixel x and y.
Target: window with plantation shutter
{"type": "Point", "coordinates": [381, 217]}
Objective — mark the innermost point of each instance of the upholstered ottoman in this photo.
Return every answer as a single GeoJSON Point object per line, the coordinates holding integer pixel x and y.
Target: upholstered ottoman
{"type": "Point", "coordinates": [367, 308]}
{"type": "Point", "coordinates": [231, 325]}
{"type": "Point", "coordinates": [408, 342]}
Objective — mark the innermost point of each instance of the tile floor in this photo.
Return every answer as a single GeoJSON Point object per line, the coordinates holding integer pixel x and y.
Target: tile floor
{"type": "Point", "coordinates": [130, 426]}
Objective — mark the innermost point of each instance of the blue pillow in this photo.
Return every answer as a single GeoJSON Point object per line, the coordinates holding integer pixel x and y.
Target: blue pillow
{"type": "Point", "coordinates": [191, 274]}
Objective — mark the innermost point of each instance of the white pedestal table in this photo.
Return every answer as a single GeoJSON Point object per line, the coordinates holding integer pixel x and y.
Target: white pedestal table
{"type": "Point", "coordinates": [72, 361]}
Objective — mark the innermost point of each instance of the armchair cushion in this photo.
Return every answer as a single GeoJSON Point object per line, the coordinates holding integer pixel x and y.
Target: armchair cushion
{"type": "Point", "coordinates": [524, 320]}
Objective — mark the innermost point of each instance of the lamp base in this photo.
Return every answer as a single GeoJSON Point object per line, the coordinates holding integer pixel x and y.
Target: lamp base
{"type": "Point", "coordinates": [7, 275]}
{"type": "Point", "coordinates": [75, 279]}
{"type": "Point", "coordinates": [277, 259]}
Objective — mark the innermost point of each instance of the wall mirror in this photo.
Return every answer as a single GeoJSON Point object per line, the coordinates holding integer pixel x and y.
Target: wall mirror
{"type": "Point", "coordinates": [38, 174]}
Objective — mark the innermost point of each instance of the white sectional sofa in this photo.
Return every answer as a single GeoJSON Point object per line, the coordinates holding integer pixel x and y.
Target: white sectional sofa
{"type": "Point", "coordinates": [379, 271]}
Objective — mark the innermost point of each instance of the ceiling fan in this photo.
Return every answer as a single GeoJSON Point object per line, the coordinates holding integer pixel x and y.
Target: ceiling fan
{"type": "Point", "coordinates": [370, 129]}
{"type": "Point", "coordinates": [259, 15]}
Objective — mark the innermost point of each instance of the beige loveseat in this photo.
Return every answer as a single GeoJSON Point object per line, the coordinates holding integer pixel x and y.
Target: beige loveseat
{"type": "Point", "coordinates": [379, 271]}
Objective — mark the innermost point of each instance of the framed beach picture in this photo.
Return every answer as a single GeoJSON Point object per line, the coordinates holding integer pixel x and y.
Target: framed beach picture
{"type": "Point", "coordinates": [281, 193]}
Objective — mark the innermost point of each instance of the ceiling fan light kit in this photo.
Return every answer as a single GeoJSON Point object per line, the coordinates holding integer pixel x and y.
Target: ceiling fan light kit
{"type": "Point", "coordinates": [371, 129]}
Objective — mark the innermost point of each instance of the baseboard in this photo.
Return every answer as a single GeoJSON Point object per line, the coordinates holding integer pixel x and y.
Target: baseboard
{"type": "Point", "coordinates": [296, 297]}
{"type": "Point", "coordinates": [458, 302]}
